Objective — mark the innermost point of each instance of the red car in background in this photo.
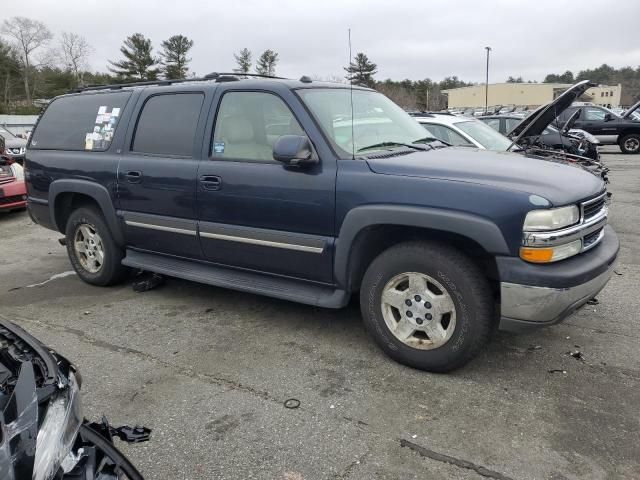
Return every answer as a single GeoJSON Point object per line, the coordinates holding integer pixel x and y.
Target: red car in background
{"type": "Point", "coordinates": [13, 191]}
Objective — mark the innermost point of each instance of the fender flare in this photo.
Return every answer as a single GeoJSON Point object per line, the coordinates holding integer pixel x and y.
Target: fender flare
{"type": "Point", "coordinates": [479, 229]}
{"type": "Point", "coordinates": [94, 190]}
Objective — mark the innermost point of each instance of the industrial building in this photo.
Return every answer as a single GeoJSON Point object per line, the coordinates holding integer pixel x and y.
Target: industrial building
{"type": "Point", "coordinates": [531, 95]}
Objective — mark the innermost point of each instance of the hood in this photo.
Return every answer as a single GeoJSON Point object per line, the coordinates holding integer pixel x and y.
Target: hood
{"type": "Point", "coordinates": [540, 119]}
{"type": "Point", "coordinates": [633, 108]}
{"type": "Point", "coordinates": [558, 181]}
{"type": "Point", "coordinates": [15, 142]}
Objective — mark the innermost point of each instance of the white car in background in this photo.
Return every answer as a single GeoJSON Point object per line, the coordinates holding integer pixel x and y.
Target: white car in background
{"type": "Point", "coordinates": [462, 131]}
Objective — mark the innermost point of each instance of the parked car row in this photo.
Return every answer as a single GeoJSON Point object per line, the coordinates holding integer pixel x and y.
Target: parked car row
{"type": "Point", "coordinates": [532, 135]}
{"type": "Point", "coordinates": [516, 110]}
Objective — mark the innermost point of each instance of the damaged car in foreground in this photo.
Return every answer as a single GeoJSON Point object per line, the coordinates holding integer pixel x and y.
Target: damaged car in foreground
{"type": "Point", "coordinates": [43, 434]}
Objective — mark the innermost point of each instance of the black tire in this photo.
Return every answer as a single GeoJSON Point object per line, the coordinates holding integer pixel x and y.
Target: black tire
{"type": "Point", "coordinates": [111, 270]}
{"type": "Point", "coordinates": [630, 144]}
{"type": "Point", "coordinates": [464, 282]}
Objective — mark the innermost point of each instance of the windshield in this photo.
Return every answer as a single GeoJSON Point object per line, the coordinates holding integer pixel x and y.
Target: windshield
{"type": "Point", "coordinates": [484, 135]}
{"type": "Point", "coordinates": [378, 123]}
{"type": "Point", "coordinates": [6, 133]}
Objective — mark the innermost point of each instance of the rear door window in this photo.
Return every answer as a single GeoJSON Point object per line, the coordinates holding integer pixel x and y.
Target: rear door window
{"type": "Point", "coordinates": [80, 122]}
{"type": "Point", "coordinates": [167, 124]}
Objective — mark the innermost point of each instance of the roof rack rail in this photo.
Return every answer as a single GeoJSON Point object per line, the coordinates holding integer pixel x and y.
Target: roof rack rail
{"type": "Point", "coordinates": [213, 76]}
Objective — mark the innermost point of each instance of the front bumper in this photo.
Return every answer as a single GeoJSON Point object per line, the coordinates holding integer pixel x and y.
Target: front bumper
{"type": "Point", "coordinates": [13, 195]}
{"type": "Point", "coordinates": [552, 294]}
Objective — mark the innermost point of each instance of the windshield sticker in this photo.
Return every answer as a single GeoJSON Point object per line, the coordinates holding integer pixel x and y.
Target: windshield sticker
{"type": "Point", "coordinates": [102, 109]}
{"type": "Point", "coordinates": [115, 112]}
{"type": "Point", "coordinates": [218, 147]}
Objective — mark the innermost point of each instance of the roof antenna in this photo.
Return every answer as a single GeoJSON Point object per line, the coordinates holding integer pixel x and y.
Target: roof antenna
{"type": "Point", "coordinates": [353, 139]}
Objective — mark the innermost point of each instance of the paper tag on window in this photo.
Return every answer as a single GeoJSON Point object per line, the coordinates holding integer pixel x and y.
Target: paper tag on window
{"type": "Point", "coordinates": [218, 147]}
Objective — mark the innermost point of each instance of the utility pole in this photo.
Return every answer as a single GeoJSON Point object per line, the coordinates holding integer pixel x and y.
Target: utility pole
{"type": "Point", "coordinates": [486, 85]}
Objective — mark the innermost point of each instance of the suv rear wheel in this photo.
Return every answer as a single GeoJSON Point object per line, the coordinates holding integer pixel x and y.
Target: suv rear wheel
{"type": "Point", "coordinates": [427, 305]}
{"type": "Point", "coordinates": [630, 143]}
{"type": "Point", "coordinates": [93, 253]}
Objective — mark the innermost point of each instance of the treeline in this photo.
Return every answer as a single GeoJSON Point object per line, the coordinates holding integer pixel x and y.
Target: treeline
{"type": "Point", "coordinates": [35, 65]}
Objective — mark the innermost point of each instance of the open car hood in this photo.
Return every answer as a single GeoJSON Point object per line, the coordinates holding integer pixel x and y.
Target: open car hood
{"type": "Point", "coordinates": [540, 119]}
{"type": "Point", "coordinates": [631, 109]}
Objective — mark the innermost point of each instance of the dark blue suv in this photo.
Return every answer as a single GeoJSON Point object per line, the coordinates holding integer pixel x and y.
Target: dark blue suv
{"type": "Point", "coordinates": [312, 192]}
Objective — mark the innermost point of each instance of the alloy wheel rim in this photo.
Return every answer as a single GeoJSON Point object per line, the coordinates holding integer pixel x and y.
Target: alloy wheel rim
{"type": "Point", "coordinates": [632, 144]}
{"type": "Point", "coordinates": [89, 248]}
{"type": "Point", "coordinates": [418, 310]}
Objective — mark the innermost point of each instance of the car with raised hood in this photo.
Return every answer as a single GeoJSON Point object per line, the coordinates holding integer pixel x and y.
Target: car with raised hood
{"type": "Point", "coordinates": [14, 147]}
{"type": "Point", "coordinates": [608, 127]}
{"type": "Point", "coordinates": [532, 136]}
{"type": "Point", "coordinates": [13, 191]}
{"type": "Point", "coordinates": [43, 433]}
{"type": "Point", "coordinates": [315, 192]}
{"type": "Point", "coordinates": [574, 141]}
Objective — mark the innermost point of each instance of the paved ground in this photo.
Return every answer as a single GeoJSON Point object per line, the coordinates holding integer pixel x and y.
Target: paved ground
{"type": "Point", "coordinates": [208, 370]}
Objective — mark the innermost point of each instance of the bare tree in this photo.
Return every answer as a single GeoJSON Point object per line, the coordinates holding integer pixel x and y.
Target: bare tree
{"type": "Point", "coordinates": [75, 53]}
{"type": "Point", "coordinates": [28, 35]}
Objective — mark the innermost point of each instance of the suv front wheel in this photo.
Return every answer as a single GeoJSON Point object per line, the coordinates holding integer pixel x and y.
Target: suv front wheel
{"type": "Point", "coordinates": [427, 305]}
{"type": "Point", "coordinates": [93, 253]}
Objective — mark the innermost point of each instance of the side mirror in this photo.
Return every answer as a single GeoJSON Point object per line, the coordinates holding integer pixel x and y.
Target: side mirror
{"type": "Point", "coordinates": [608, 117]}
{"type": "Point", "coordinates": [294, 151]}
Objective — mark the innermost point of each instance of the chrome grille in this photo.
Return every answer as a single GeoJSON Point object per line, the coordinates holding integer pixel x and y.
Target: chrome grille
{"type": "Point", "coordinates": [593, 207]}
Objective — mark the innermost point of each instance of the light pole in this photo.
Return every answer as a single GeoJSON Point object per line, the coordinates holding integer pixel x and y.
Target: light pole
{"type": "Point", "coordinates": [486, 85]}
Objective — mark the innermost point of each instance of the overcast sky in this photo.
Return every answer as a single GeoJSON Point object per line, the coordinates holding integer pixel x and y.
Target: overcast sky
{"type": "Point", "coordinates": [407, 39]}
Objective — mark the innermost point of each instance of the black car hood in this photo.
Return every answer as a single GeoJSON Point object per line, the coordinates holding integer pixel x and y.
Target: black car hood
{"type": "Point", "coordinates": [540, 119]}
{"type": "Point", "coordinates": [558, 181]}
{"type": "Point", "coordinates": [627, 113]}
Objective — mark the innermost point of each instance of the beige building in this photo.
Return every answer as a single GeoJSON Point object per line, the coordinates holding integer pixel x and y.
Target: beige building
{"type": "Point", "coordinates": [528, 94]}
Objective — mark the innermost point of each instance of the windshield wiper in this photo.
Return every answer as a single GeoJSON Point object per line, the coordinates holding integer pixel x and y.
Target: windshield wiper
{"type": "Point", "coordinates": [429, 140]}
{"type": "Point", "coordinates": [393, 144]}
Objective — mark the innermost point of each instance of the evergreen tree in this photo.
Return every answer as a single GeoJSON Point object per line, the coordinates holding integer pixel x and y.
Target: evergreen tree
{"type": "Point", "coordinates": [266, 64]}
{"type": "Point", "coordinates": [174, 56]}
{"type": "Point", "coordinates": [361, 71]}
{"type": "Point", "coordinates": [243, 60]}
{"type": "Point", "coordinates": [138, 62]}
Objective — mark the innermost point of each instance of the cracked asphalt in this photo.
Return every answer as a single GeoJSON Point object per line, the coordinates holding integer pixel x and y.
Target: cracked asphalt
{"type": "Point", "coordinates": [209, 370]}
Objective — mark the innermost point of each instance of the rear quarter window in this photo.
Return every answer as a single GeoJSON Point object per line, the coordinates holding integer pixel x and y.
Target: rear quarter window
{"type": "Point", "coordinates": [80, 122]}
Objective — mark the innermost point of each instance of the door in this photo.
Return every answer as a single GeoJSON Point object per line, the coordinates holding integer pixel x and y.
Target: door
{"type": "Point", "coordinates": [592, 119]}
{"type": "Point", "coordinates": [253, 212]}
{"type": "Point", "coordinates": [157, 174]}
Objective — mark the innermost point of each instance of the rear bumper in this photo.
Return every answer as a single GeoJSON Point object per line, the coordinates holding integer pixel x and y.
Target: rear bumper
{"type": "Point", "coordinates": [530, 305]}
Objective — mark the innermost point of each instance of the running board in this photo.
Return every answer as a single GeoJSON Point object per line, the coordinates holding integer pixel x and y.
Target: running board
{"type": "Point", "coordinates": [277, 287]}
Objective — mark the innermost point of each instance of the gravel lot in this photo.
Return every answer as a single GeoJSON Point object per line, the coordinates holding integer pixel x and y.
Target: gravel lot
{"type": "Point", "coordinates": [209, 369]}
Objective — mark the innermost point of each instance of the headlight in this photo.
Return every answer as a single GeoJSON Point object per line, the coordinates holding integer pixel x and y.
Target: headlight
{"type": "Point", "coordinates": [550, 254]}
{"type": "Point", "coordinates": [58, 431]}
{"type": "Point", "coordinates": [18, 171]}
{"type": "Point", "coordinates": [552, 219]}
